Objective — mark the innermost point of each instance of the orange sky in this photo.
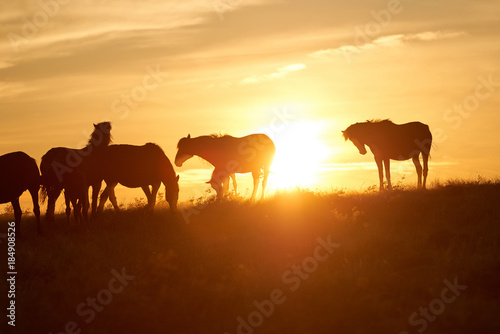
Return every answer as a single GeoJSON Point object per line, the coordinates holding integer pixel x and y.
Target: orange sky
{"type": "Point", "coordinates": [159, 70]}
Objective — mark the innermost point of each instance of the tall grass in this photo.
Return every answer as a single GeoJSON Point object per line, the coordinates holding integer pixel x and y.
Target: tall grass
{"type": "Point", "coordinates": [395, 251]}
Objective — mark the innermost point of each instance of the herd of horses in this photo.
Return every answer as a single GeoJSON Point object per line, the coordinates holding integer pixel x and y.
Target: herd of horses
{"type": "Point", "coordinates": [147, 166]}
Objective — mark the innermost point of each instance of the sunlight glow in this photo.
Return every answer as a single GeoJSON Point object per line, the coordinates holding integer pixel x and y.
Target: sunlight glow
{"type": "Point", "coordinates": [300, 152]}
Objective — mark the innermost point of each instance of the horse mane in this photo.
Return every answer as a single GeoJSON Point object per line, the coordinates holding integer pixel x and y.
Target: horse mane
{"type": "Point", "coordinates": [353, 130]}
{"type": "Point", "coordinates": [218, 135]}
{"type": "Point", "coordinates": [209, 137]}
{"type": "Point", "coordinates": [378, 121]}
{"type": "Point", "coordinates": [101, 136]}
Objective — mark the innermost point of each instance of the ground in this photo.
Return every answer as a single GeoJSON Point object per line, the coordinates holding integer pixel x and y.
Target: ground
{"type": "Point", "coordinates": [406, 261]}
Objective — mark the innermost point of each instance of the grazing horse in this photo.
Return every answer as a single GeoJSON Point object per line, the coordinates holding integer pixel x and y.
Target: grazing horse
{"type": "Point", "coordinates": [74, 170]}
{"type": "Point", "coordinates": [138, 166]}
{"type": "Point", "coordinates": [388, 141]}
{"type": "Point", "coordinates": [220, 183]}
{"type": "Point", "coordinates": [229, 155]}
{"type": "Point", "coordinates": [19, 172]}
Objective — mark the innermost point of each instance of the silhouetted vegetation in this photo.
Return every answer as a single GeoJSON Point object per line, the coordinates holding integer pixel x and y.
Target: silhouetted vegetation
{"type": "Point", "coordinates": [396, 251]}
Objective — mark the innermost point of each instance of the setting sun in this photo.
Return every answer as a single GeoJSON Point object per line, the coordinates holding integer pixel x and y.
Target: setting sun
{"type": "Point", "coordinates": [299, 153]}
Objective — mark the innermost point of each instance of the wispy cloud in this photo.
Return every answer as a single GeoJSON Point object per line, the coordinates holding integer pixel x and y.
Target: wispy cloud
{"type": "Point", "coordinates": [280, 73]}
{"type": "Point", "coordinates": [387, 42]}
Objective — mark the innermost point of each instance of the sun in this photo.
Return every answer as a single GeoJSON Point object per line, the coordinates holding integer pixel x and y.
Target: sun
{"type": "Point", "coordinates": [299, 154]}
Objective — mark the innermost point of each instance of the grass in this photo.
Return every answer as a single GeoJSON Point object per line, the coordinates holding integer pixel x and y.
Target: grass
{"type": "Point", "coordinates": [396, 251]}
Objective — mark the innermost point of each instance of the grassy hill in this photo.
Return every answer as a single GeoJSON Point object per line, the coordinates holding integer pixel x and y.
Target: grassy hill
{"type": "Point", "coordinates": [405, 261]}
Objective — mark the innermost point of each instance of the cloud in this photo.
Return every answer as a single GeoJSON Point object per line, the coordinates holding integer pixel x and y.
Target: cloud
{"type": "Point", "coordinates": [386, 42]}
{"type": "Point", "coordinates": [280, 73]}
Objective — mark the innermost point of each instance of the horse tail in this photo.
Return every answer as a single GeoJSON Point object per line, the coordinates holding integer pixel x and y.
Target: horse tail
{"type": "Point", "coordinates": [44, 189]}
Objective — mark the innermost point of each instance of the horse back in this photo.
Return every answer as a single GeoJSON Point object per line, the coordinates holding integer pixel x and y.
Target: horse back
{"type": "Point", "coordinates": [18, 172]}
{"type": "Point", "coordinates": [249, 153]}
{"type": "Point", "coordinates": [404, 141]}
{"type": "Point", "coordinates": [134, 166]}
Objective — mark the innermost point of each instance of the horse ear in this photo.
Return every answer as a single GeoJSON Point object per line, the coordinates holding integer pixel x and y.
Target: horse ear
{"type": "Point", "coordinates": [95, 126]}
{"type": "Point", "coordinates": [189, 136]}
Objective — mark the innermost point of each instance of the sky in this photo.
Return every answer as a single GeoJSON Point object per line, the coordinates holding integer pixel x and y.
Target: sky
{"type": "Point", "coordinates": [300, 71]}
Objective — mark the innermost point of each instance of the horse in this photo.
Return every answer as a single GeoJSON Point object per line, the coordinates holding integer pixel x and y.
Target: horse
{"type": "Point", "coordinates": [19, 172]}
{"type": "Point", "coordinates": [388, 141]}
{"type": "Point", "coordinates": [76, 194]}
{"type": "Point", "coordinates": [250, 154]}
{"type": "Point", "coordinates": [138, 166]}
{"type": "Point", "coordinates": [220, 183]}
{"type": "Point", "coordinates": [59, 164]}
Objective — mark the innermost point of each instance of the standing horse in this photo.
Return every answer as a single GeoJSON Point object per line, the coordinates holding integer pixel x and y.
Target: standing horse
{"type": "Point", "coordinates": [250, 154]}
{"type": "Point", "coordinates": [138, 166]}
{"type": "Point", "coordinates": [60, 163]}
{"type": "Point", "coordinates": [76, 194]}
{"type": "Point", "coordinates": [19, 172]}
{"type": "Point", "coordinates": [388, 141]}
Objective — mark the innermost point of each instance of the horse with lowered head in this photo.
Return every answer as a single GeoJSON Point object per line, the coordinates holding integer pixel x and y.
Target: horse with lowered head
{"type": "Point", "coordinates": [138, 166]}
{"type": "Point", "coordinates": [389, 141]}
{"type": "Point", "coordinates": [250, 154]}
{"type": "Point", "coordinates": [19, 172]}
{"type": "Point", "coordinates": [74, 170]}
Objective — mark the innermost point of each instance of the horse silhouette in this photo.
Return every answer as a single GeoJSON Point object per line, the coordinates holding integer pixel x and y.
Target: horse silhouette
{"type": "Point", "coordinates": [138, 166]}
{"type": "Point", "coordinates": [76, 194]}
{"type": "Point", "coordinates": [388, 141]}
{"type": "Point", "coordinates": [220, 182]}
{"type": "Point", "coordinates": [19, 172]}
{"type": "Point", "coordinates": [250, 154]}
{"type": "Point", "coordinates": [59, 164]}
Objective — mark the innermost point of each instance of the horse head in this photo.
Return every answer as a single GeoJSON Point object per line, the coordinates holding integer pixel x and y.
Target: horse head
{"type": "Point", "coordinates": [172, 195]}
{"type": "Point", "coordinates": [183, 152]}
{"type": "Point", "coordinates": [349, 135]}
{"type": "Point", "coordinates": [101, 137]}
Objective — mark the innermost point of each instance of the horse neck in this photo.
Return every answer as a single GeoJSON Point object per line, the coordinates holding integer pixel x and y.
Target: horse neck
{"type": "Point", "coordinates": [368, 133]}
{"type": "Point", "coordinates": [206, 147]}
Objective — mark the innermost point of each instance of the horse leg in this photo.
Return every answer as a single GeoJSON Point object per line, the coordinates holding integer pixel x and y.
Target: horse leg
{"type": "Point", "coordinates": [256, 178]}
{"type": "Point", "coordinates": [95, 194]}
{"type": "Point", "coordinates": [67, 200]}
{"type": "Point", "coordinates": [387, 164]}
{"type": "Point", "coordinates": [154, 192]}
{"type": "Point", "coordinates": [264, 182]}
{"type": "Point", "coordinates": [52, 195]}
{"type": "Point", "coordinates": [418, 167]}
{"type": "Point", "coordinates": [235, 186]}
{"type": "Point", "coordinates": [102, 199]}
{"type": "Point", "coordinates": [380, 173]}
{"type": "Point", "coordinates": [425, 158]}
{"type": "Point", "coordinates": [84, 200]}
{"type": "Point", "coordinates": [36, 207]}
{"type": "Point", "coordinates": [225, 184]}
{"type": "Point", "coordinates": [147, 191]}
{"type": "Point", "coordinates": [17, 214]}
{"type": "Point", "coordinates": [112, 196]}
